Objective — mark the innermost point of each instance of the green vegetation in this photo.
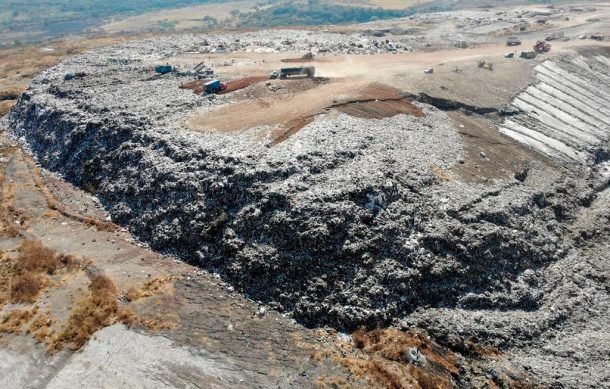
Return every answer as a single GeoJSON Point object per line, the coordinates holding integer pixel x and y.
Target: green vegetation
{"type": "Point", "coordinates": [314, 12]}
{"type": "Point", "coordinates": [38, 20]}
{"type": "Point", "coordinates": [54, 14]}
{"type": "Point", "coordinates": [15, 14]}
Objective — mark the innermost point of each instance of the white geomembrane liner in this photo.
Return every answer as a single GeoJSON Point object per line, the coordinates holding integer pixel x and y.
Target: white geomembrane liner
{"type": "Point", "coordinates": [566, 115]}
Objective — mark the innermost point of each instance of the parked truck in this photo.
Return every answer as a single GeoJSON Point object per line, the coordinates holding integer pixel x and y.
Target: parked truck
{"type": "Point", "coordinates": [214, 86]}
{"type": "Point", "coordinates": [308, 71]}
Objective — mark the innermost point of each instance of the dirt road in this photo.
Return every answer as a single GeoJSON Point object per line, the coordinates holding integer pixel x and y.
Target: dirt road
{"type": "Point", "coordinates": [355, 77]}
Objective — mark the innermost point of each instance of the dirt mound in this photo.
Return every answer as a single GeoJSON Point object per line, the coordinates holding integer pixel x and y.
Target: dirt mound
{"type": "Point", "coordinates": [241, 83]}
{"type": "Point", "coordinates": [287, 114]}
{"type": "Point", "coordinates": [298, 60]}
{"type": "Point", "coordinates": [196, 86]}
{"type": "Point", "coordinates": [377, 109]}
{"type": "Point", "coordinates": [347, 222]}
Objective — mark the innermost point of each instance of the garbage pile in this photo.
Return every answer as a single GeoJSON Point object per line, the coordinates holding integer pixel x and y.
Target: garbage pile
{"type": "Point", "coordinates": [346, 223]}
{"type": "Point", "coordinates": [282, 41]}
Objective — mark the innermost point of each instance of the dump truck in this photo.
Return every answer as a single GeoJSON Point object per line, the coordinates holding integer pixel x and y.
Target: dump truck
{"type": "Point", "coordinates": [308, 71]}
{"type": "Point", "coordinates": [214, 86]}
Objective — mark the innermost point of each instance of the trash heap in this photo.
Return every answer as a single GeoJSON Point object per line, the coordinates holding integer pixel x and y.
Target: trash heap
{"type": "Point", "coordinates": [347, 223]}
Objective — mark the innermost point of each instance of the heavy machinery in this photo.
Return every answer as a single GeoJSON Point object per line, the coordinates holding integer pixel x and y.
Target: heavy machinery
{"type": "Point", "coordinates": [555, 36]}
{"type": "Point", "coordinates": [513, 41]}
{"type": "Point", "coordinates": [199, 67]}
{"type": "Point", "coordinates": [528, 54]}
{"type": "Point", "coordinates": [308, 71]}
{"type": "Point", "coordinates": [214, 86]}
{"type": "Point", "coordinates": [542, 47]}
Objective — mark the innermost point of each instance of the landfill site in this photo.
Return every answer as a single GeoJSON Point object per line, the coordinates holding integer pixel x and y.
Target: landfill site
{"type": "Point", "coordinates": [413, 203]}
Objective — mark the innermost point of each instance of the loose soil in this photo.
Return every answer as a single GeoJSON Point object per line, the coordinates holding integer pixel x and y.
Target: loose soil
{"type": "Point", "coordinates": [241, 83]}
{"type": "Point", "coordinates": [488, 153]}
{"type": "Point", "coordinates": [287, 115]}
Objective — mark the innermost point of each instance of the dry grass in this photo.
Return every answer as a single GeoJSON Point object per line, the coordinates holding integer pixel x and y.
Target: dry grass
{"type": "Point", "coordinates": [41, 328]}
{"type": "Point", "coordinates": [35, 257]}
{"type": "Point", "coordinates": [334, 382]}
{"type": "Point", "coordinates": [8, 227]}
{"type": "Point", "coordinates": [377, 372]}
{"type": "Point", "coordinates": [155, 286]}
{"type": "Point", "coordinates": [94, 312]}
{"type": "Point", "coordinates": [158, 324]}
{"type": "Point", "coordinates": [29, 273]}
{"type": "Point", "coordinates": [26, 287]}
{"type": "Point", "coordinates": [381, 357]}
{"type": "Point", "coordinates": [24, 277]}
{"type": "Point", "coordinates": [14, 321]}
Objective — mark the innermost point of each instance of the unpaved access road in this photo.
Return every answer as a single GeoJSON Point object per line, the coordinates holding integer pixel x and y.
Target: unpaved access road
{"type": "Point", "coordinates": [352, 78]}
{"type": "Point", "coordinates": [283, 110]}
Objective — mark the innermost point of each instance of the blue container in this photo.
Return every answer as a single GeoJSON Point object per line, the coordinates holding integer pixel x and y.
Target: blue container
{"type": "Point", "coordinates": [212, 86]}
{"type": "Point", "coordinates": [163, 69]}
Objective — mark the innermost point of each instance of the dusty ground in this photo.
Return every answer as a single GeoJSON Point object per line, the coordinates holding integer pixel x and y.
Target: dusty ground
{"type": "Point", "coordinates": [283, 111]}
